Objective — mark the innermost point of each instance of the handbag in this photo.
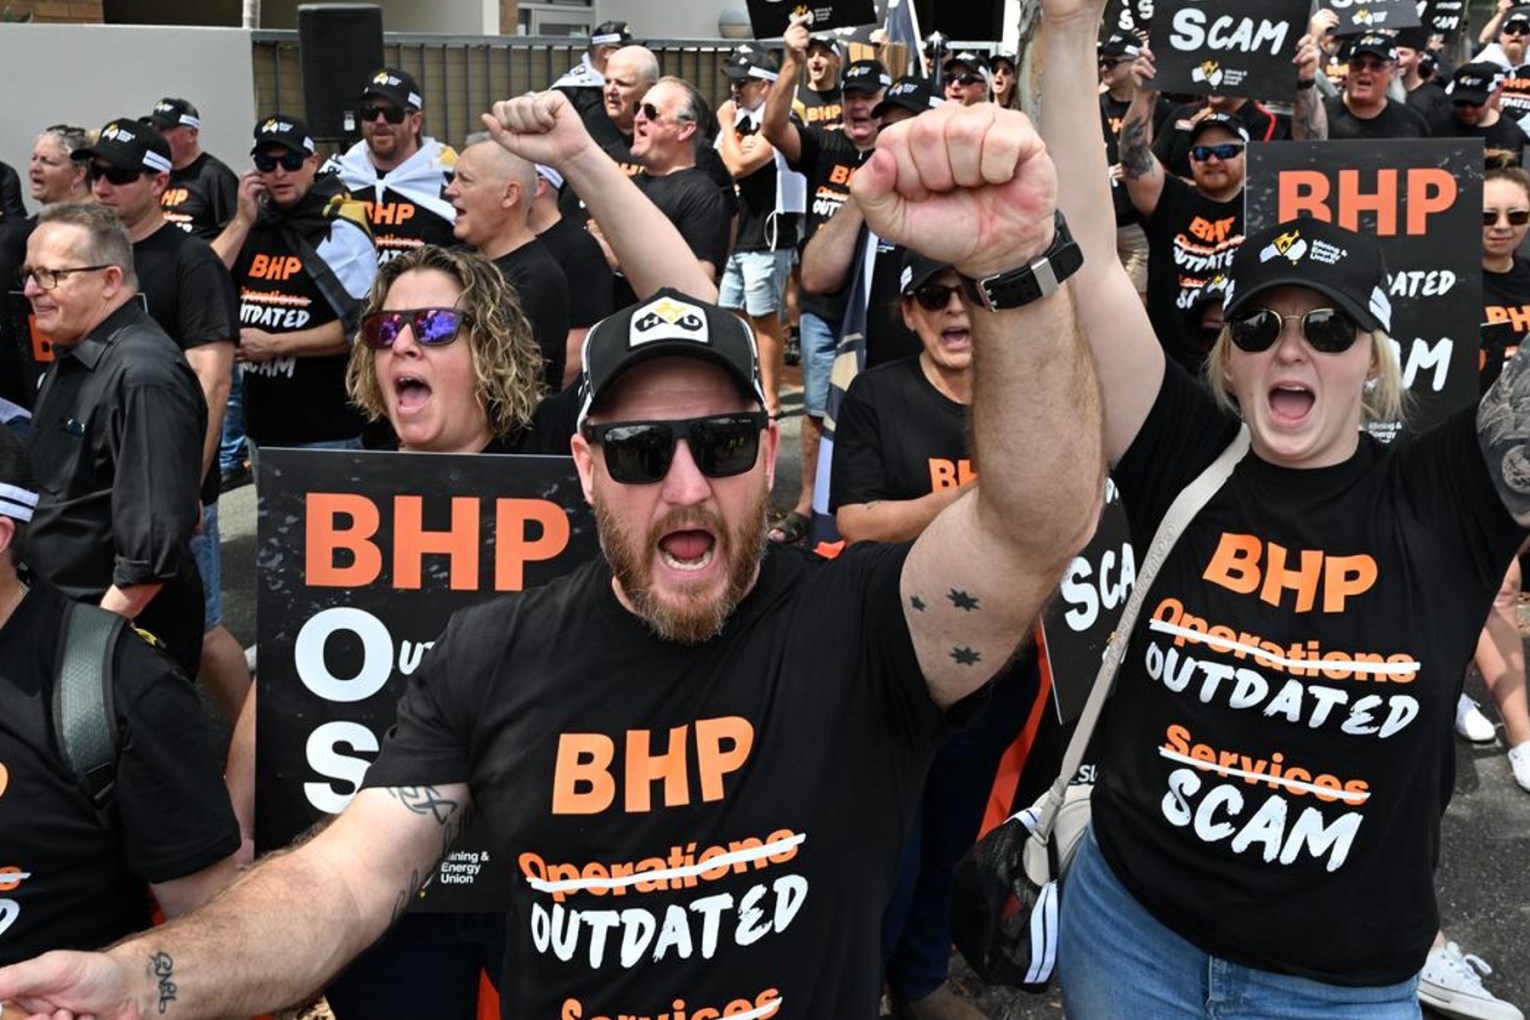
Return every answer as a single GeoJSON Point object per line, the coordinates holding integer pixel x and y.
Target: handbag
{"type": "Point", "coordinates": [1004, 908]}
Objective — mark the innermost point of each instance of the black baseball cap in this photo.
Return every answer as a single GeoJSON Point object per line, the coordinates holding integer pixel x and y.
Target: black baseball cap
{"type": "Point", "coordinates": [397, 87]}
{"type": "Point", "coordinates": [1005, 54]}
{"type": "Point", "coordinates": [968, 59]}
{"type": "Point", "coordinates": [1521, 13]}
{"type": "Point", "coordinates": [286, 132]}
{"type": "Point", "coordinates": [865, 76]}
{"type": "Point", "coordinates": [171, 112]}
{"type": "Point", "coordinates": [1119, 45]}
{"type": "Point", "coordinates": [1474, 83]}
{"type": "Point", "coordinates": [746, 62]}
{"type": "Point", "coordinates": [828, 41]}
{"type": "Point", "coordinates": [1337, 263]}
{"type": "Point", "coordinates": [668, 324]}
{"type": "Point", "coordinates": [917, 270]}
{"type": "Point", "coordinates": [18, 492]}
{"type": "Point", "coordinates": [1216, 119]}
{"type": "Point", "coordinates": [911, 93]}
{"type": "Point", "coordinates": [935, 43]}
{"type": "Point", "coordinates": [1376, 44]}
{"type": "Point", "coordinates": [129, 143]}
{"type": "Point", "coordinates": [611, 33]}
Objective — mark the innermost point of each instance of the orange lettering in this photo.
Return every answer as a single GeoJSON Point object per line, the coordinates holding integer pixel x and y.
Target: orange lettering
{"type": "Point", "coordinates": [643, 768]}
{"type": "Point", "coordinates": [411, 542]}
{"type": "Point", "coordinates": [513, 549]}
{"type": "Point", "coordinates": [942, 474]}
{"type": "Point", "coordinates": [722, 746]}
{"type": "Point", "coordinates": [582, 782]}
{"type": "Point", "coordinates": [1303, 581]}
{"type": "Point", "coordinates": [1304, 193]}
{"type": "Point", "coordinates": [1344, 576]}
{"type": "Point", "coordinates": [1235, 565]}
{"type": "Point", "coordinates": [325, 536]}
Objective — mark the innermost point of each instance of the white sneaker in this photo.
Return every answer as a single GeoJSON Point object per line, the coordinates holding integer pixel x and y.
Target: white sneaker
{"type": "Point", "coordinates": [1451, 982]}
{"type": "Point", "coordinates": [1471, 724]}
{"type": "Point", "coordinates": [1519, 761]}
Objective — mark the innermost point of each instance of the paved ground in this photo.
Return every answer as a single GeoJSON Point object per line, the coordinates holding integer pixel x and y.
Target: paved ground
{"type": "Point", "coordinates": [1484, 875]}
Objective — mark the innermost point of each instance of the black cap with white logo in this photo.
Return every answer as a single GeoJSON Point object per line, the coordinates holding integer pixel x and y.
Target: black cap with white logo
{"type": "Point", "coordinates": [286, 132]}
{"type": "Point", "coordinates": [171, 112]}
{"type": "Point", "coordinates": [669, 324]}
{"type": "Point", "coordinates": [129, 143]}
{"type": "Point", "coordinates": [1120, 45]}
{"type": "Point", "coordinates": [397, 87]}
{"type": "Point", "coordinates": [747, 63]}
{"type": "Point", "coordinates": [1216, 119]}
{"type": "Point", "coordinates": [865, 76]}
{"type": "Point", "coordinates": [1376, 44]}
{"type": "Point", "coordinates": [911, 93]}
{"type": "Point", "coordinates": [611, 33]}
{"type": "Point", "coordinates": [826, 40]}
{"type": "Point", "coordinates": [1475, 83]}
{"type": "Point", "coordinates": [1337, 263]}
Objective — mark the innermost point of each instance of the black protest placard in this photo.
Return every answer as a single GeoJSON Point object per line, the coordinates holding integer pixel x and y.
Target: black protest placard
{"type": "Point", "coordinates": [771, 18]}
{"type": "Point", "coordinates": [1445, 17]}
{"type": "Point", "coordinates": [1126, 17]}
{"type": "Point", "coordinates": [1077, 624]}
{"type": "Point", "coordinates": [1422, 199]}
{"type": "Point", "coordinates": [1357, 17]}
{"type": "Point", "coordinates": [1514, 98]}
{"type": "Point", "coordinates": [1229, 47]}
{"type": "Point", "coordinates": [363, 558]}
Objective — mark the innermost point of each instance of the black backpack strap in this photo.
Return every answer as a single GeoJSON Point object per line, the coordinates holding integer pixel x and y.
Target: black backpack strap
{"type": "Point", "coordinates": [84, 715]}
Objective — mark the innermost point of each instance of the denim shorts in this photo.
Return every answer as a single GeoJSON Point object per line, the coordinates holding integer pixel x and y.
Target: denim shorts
{"type": "Point", "coordinates": [820, 339]}
{"type": "Point", "coordinates": [1116, 960]}
{"type": "Point", "coordinates": [209, 557]}
{"type": "Point", "coordinates": [755, 281]}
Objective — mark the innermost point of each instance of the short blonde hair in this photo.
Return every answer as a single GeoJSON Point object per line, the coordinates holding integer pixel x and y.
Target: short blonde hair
{"type": "Point", "coordinates": [1383, 400]}
{"type": "Point", "coordinates": [507, 363]}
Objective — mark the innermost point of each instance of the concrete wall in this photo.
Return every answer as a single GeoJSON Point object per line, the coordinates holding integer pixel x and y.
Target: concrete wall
{"type": "Point", "coordinates": [88, 74]}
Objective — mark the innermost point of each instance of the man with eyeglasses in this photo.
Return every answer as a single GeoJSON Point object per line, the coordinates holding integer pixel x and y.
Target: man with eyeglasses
{"type": "Point", "coordinates": [396, 172]}
{"type": "Point", "coordinates": [118, 434]}
{"type": "Point", "coordinates": [1473, 90]}
{"type": "Point", "coordinates": [302, 258]}
{"type": "Point", "coordinates": [203, 191]}
{"type": "Point", "coordinates": [1363, 109]}
{"type": "Point", "coordinates": [1118, 87]}
{"type": "Point", "coordinates": [188, 291]}
{"type": "Point", "coordinates": [701, 809]}
{"type": "Point", "coordinates": [967, 78]}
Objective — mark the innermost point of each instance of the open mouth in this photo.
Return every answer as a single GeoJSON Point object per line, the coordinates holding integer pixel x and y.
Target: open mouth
{"type": "Point", "coordinates": [688, 551]}
{"type": "Point", "coordinates": [1290, 403]}
{"type": "Point", "coordinates": [413, 393]}
{"type": "Point", "coordinates": [956, 337]}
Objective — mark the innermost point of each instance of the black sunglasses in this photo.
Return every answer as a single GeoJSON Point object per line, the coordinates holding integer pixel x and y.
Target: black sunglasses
{"type": "Point", "coordinates": [115, 175]}
{"type": "Point", "coordinates": [433, 327]}
{"type": "Point", "coordinates": [640, 452]}
{"type": "Point", "coordinates": [289, 160]}
{"type": "Point", "coordinates": [1327, 329]}
{"type": "Point", "coordinates": [1516, 217]}
{"type": "Point", "coordinates": [649, 110]}
{"type": "Point", "coordinates": [1224, 151]}
{"type": "Point", "coordinates": [934, 297]}
{"type": "Point", "coordinates": [1515, 28]}
{"type": "Point", "coordinates": [967, 78]}
{"type": "Point", "coordinates": [391, 114]}
{"type": "Point", "coordinates": [1111, 63]}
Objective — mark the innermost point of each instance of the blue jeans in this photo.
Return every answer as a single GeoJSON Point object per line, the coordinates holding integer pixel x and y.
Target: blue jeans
{"type": "Point", "coordinates": [231, 444]}
{"type": "Point", "coordinates": [820, 339]}
{"type": "Point", "coordinates": [1116, 960]}
{"type": "Point", "coordinates": [209, 556]}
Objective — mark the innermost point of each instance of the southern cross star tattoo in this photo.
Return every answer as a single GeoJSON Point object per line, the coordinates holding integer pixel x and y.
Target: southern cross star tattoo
{"type": "Point", "coordinates": [961, 600]}
{"type": "Point", "coordinates": [965, 656]}
{"type": "Point", "coordinates": [916, 602]}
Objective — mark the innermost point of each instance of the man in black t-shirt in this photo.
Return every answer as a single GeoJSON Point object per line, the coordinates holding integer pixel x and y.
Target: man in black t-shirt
{"type": "Point", "coordinates": [724, 776]}
{"type": "Point", "coordinates": [201, 195]}
{"type": "Point", "coordinates": [188, 291]}
{"type": "Point", "coordinates": [76, 876]}
{"type": "Point", "coordinates": [492, 194]}
{"type": "Point", "coordinates": [1363, 110]}
{"type": "Point", "coordinates": [585, 82]}
{"type": "Point", "coordinates": [1118, 89]}
{"type": "Point", "coordinates": [1472, 90]}
{"type": "Point", "coordinates": [583, 264]}
{"type": "Point", "coordinates": [1424, 94]}
{"type": "Point", "coordinates": [819, 102]}
{"type": "Point", "coordinates": [1172, 146]}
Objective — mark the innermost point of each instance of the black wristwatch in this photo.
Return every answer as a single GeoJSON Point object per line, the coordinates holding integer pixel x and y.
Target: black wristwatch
{"type": "Point", "coordinates": [1032, 282]}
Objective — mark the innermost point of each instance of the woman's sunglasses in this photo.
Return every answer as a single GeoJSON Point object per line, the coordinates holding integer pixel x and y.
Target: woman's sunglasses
{"type": "Point", "coordinates": [433, 327]}
{"type": "Point", "coordinates": [289, 161]}
{"type": "Point", "coordinates": [1516, 217]}
{"type": "Point", "coordinates": [934, 297]}
{"type": "Point", "coordinates": [1327, 329]}
{"type": "Point", "coordinates": [640, 452]}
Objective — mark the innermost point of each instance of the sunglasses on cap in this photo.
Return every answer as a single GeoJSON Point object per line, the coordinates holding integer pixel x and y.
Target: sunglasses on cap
{"type": "Point", "coordinates": [115, 175]}
{"type": "Point", "coordinates": [289, 161]}
{"type": "Point", "coordinates": [1516, 217]}
{"type": "Point", "coordinates": [934, 297]}
{"type": "Point", "coordinates": [1328, 330]}
{"type": "Point", "coordinates": [433, 327]}
{"type": "Point", "coordinates": [391, 114]}
{"type": "Point", "coordinates": [1222, 151]}
{"type": "Point", "coordinates": [640, 452]}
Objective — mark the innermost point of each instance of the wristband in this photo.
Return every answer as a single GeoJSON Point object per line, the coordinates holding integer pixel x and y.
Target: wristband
{"type": "Point", "coordinates": [1042, 277]}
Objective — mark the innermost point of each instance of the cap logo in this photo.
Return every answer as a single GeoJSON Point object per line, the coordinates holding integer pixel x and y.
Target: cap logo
{"type": "Point", "coordinates": [1290, 246]}
{"type": "Point", "coordinates": [1363, 16]}
{"type": "Point", "coordinates": [115, 132]}
{"type": "Point", "coordinates": [1208, 71]}
{"type": "Point", "coordinates": [907, 278]}
{"type": "Point", "coordinates": [384, 78]}
{"type": "Point", "coordinates": [658, 320]}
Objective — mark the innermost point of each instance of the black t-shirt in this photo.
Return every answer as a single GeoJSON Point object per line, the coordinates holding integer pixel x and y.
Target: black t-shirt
{"type": "Point", "coordinates": [190, 294]}
{"type": "Point", "coordinates": [819, 109]}
{"type": "Point", "coordinates": [897, 437]}
{"type": "Point", "coordinates": [1172, 144]}
{"type": "Point", "coordinates": [1396, 120]}
{"type": "Point", "coordinates": [1278, 815]}
{"type": "Point", "coordinates": [1191, 241]}
{"type": "Point", "coordinates": [760, 227]}
{"type": "Point", "coordinates": [694, 203]}
{"type": "Point", "coordinates": [202, 196]}
{"type": "Point", "coordinates": [1112, 116]}
{"type": "Point", "coordinates": [1503, 137]}
{"type": "Point", "coordinates": [579, 256]}
{"type": "Point", "coordinates": [1431, 101]}
{"type": "Point", "coordinates": [19, 371]}
{"type": "Point", "coordinates": [544, 292]}
{"type": "Point", "coordinates": [1506, 300]}
{"type": "Point", "coordinates": [82, 884]}
{"type": "Point", "coordinates": [796, 741]}
{"type": "Point", "coordinates": [828, 160]}
{"type": "Point", "coordinates": [1514, 95]}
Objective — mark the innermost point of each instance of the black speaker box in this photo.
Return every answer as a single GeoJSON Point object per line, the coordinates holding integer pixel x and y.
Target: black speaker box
{"type": "Point", "coordinates": [341, 46]}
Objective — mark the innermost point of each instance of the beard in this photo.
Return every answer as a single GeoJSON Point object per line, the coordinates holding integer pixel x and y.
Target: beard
{"type": "Point", "coordinates": [691, 615]}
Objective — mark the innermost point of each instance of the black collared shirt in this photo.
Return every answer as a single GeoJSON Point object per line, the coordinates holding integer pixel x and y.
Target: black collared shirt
{"type": "Point", "coordinates": [116, 446]}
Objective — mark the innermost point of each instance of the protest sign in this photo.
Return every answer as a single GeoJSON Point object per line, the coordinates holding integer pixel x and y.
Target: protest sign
{"type": "Point", "coordinates": [1443, 16]}
{"type": "Point", "coordinates": [1514, 98]}
{"type": "Point", "coordinates": [1422, 199]}
{"type": "Point", "coordinates": [363, 557]}
{"type": "Point", "coordinates": [1229, 47]}
{"type": "Point", "coordinates": [771, 18]}
{"type": "Point", "coordinates": [1359, 16]}
{"type": "Point", "coordinates": [1126, 17]}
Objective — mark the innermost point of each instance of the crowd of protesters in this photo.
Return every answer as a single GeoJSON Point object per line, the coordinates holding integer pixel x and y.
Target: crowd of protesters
{"type": "Point", "coordinates": [613, 266]}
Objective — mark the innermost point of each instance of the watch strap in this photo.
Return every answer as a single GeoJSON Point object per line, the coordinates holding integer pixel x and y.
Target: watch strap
{"type": "Point", "coordinates": [1043, 276]}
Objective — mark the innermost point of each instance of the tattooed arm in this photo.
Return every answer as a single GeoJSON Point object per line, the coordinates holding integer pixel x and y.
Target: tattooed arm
{"type": "Point", "coordinates": [1503, 432]}
{"type": "Point", "coordinates": [1140, 169]}
{"type": "Point", "coordinates": [1309, 120]}
{"type": "Point", "coordinates": [276, 935]}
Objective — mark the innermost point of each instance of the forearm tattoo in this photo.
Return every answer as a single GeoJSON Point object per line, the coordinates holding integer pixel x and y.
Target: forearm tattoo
{"type": "Point", "coordinates": [1309, 119]}
{"type": "Point", "coordinates": [1137, 158]}
{"type": "Point", "coordinates": [162, 967]}
{"type": "Point", "coordinates": [401, 901]}
{"type": "Point", "coordinates": [1503, 431]}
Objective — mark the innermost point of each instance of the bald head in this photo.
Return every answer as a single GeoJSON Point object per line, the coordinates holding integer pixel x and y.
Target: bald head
{"type": "Point", "coordinates": [630, 73]}
{"type": "Point", "coordinates": [492, 191]}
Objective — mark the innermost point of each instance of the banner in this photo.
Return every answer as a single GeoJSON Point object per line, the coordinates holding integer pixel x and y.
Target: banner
{"type": "Point", "coordinates": [1126, 17]}
{"type": "Point", "coordinates": [1359, 16]}
{"type": "Point", "coordinates": [1229, 47]}
{"type": "Point", "coordinates": [1422, 199]}
{"type": "Point", "coordinates": [771, 18]}
{"type": "Point", "coordinates": [1445, 17]}
{"type": "Point", "coordinates": [1077, 624]}
{"type": "Point", "coordinates": [363, 557]}
{"type": "Point", "coordinates": [1514, 99]}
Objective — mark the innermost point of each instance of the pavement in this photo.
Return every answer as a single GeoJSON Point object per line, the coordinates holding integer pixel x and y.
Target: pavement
{"type": "Point", "coordinates": [1484, 873]}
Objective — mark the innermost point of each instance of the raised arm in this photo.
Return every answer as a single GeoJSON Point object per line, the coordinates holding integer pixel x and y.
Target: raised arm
{"type": "Point", "coordinates": [1141, 170]}
{"type": "Point", "coordinates": [826, 258]}
{"type": "Point", "coordinates": [545, 128]}
{"type": "Point", "coordinates": [1309, 119]}
{"type": "Point", "coordinates": [277, 935]}
{"type": "Point", "coordinates": [1490, 29]}
{"type": "Point", "coordinates": [1130, 359]}
{"type": "Point", "coordinates": [974, 186]}
{"type": "Point", "coordinates": [777, 126]}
